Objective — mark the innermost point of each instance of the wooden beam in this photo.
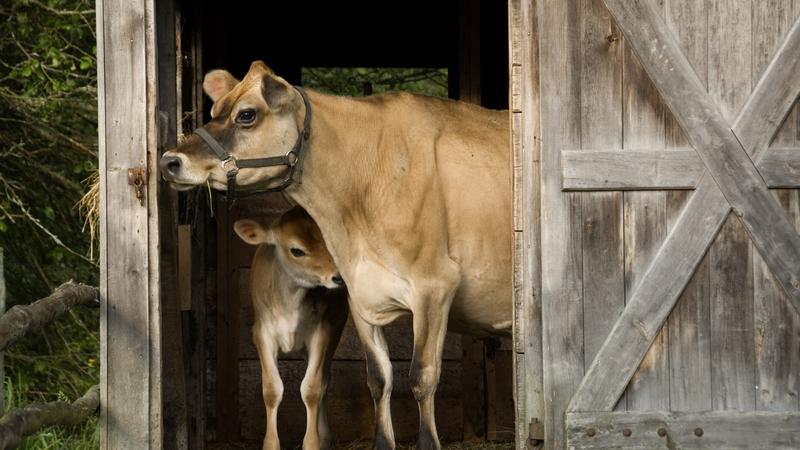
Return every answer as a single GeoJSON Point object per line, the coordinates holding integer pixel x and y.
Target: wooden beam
{"type": "Point", "coordinates": [668, 430]}
{"type": "Point", "coordinates": [781, 167]}
{"type": "Point", "coordinates": [684, 247]}
{"type": "Point", "coordinates": [636, 170]}
{"type": "Point", "coordinates": [710, 134]}
{"type": "Point", "coordinates": [604, 170]}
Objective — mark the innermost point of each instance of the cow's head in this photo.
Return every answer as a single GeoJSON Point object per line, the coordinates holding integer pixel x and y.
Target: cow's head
{"type": "Point", "coordinates": [299, 247]}
{"type": "Point", "coordinates": [256, 117]}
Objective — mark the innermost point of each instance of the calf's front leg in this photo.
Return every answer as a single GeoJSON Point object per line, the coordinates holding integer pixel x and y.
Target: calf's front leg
{"type": "Point", "coordinates": [321, 345]}
{"type": "Point", "coordinates": [271, 384]}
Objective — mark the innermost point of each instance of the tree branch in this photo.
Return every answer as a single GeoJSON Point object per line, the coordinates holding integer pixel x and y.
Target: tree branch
{"type": "Point", "coordinates": [32, 418]}
{"type": "Point", "coordinates": [22, 319]}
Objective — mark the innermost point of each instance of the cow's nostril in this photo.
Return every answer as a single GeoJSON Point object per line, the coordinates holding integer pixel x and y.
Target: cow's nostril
{"type": "Point", "coordinates": [338, 279]}
{"type": "Point", "coordinates": [171, 164]}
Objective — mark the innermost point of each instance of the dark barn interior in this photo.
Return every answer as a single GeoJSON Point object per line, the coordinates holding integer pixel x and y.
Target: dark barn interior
{"type": "Point", "coordinates": [470, 40]}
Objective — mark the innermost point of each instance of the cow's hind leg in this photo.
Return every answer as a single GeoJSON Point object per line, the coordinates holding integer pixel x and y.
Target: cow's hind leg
{"type": "Point", "coordinates": [430, 310]}
{"type": "Point", "coordinates": [271, 384]}
{"type": "Point", "coordinates": [379, 380]}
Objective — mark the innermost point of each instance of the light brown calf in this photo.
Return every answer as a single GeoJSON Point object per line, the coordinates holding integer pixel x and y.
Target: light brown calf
{"type": "Point", "coordinates": [299, 304]}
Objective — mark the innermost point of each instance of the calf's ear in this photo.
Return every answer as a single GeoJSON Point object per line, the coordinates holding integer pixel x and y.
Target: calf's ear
{"type": "Point", "coordinates": [253, 232]}
{"type": "Point", "coordinates": [217, 83]}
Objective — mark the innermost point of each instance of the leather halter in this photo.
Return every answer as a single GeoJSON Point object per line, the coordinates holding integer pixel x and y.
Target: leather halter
{"type": "Point", "coordinates": [292, 159]}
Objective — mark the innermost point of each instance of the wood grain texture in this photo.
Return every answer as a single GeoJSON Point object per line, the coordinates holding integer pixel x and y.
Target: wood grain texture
{"type": "Point", "coordinates": [777, 325]}
{"type": "Point", "coordinates": [130, 323]}
{"type": "Point", "coordinates": [730, 259]}
{"type": "Point", "coordinates": [675, 168]}
{"type": "Point", "coordinates": [602, 125]}
{"type": "Point", "coordinates": [777, 332]}
{"type": "Point", "coordinates": [644, 220]}
{"type": "Point", "coordinates": [703, 430]}
{"type": "Point", "coordinates": [561, 222]}
{"type": "Point", "coordinates": [526, 140]}
{"type": "Point", "coordinates": [603, 384]}
{"type": "Point", "coordinates": [591, 170]}
{"type": "Point", "coordinates": [709, 132]}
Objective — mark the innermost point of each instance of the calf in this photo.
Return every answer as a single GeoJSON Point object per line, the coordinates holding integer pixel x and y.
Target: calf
{"type": "Point", "coordinates": [299, 304]}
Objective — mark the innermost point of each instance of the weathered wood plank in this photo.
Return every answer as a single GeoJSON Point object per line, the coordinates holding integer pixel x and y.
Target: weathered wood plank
{"type": "Point", "coordinates": [630, 169]}
{"type": "Point", "coordinates": [777, 332]}
{"type": "Point", "coordinates": [709, 132]}
{"type": "Point", "coordinates": [688, 324]}
{"type": "Point", "coordinates": [130, 321]}
{"type": "Point", "coordinates": [645, 224]}
{"type": "Point", "coordinates": [781, 167]}
{"type": "Point", "coordinates": [704, 430]}
{"type": "Point", "coordinates": [777, 326]}
{"type": "Point", "coordinates": [526, 134]}
{"type": "Point", "coordinates": [679, 168]}
{"type": "Point", "coordinates": [730, 259]}
{"type": "Point", "coordinates": [602, 125]}
{"type": "Point", "coordinates": [562, 303]}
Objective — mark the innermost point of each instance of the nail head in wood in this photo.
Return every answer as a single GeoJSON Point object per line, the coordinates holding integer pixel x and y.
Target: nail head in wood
{"type": "Point", "coordinates": [626, 432]}
{"type": "Point", "coordinates": [591, 432]}
{"type": "Point", "coordinates": [698, 431]}
{"type": "Point", "coordinates": [662, 432]}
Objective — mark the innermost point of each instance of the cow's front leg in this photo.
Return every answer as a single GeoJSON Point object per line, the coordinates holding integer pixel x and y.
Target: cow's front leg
{"type": "Point", "coordinates": [379, 380]}
{"type": "Point", "coordinates": [271, 384]}
{"type": "Point", "coordinates": [430, 311]}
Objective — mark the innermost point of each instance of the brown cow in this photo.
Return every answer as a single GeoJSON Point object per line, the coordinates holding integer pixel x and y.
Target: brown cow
{"type": "Point", "coordinates": [298, 304]}
{"type": "Point", "coordinates": [412, 194]}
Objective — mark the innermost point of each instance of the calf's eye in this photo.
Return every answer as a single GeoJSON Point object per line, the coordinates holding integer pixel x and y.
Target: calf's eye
{"type": "Point", "coordinates": [297, 253]}
{"type": "Point", "coordinates": [246, 116]}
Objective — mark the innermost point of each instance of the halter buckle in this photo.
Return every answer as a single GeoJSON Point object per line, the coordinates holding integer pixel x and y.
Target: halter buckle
{"type": "Point", "coordinates": [292, 158]}
{"type": "Point", "coordinates": [232, 171]}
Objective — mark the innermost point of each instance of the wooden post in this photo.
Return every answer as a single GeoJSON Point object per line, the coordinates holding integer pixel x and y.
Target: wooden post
{"type": "Point", "coordinates": [130, 314]}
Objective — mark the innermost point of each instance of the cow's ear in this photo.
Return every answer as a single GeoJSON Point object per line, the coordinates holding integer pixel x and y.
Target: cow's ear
{"type": "Point", "coordinates": [277, 92]}
{"type": "Point", "coordinates": [217, 83]}
{"type": "Point", "coordinates": [253, 232]}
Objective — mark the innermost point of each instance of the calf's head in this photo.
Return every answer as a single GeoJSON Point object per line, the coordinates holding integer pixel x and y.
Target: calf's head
{"type": "Point", "coordinates": [256, 117]}
{"type": "Point", "coordinates": [299, 247]}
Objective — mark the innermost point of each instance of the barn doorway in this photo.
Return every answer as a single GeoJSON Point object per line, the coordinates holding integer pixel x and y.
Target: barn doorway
{"type": "Point", "coordinates": [453, 49]}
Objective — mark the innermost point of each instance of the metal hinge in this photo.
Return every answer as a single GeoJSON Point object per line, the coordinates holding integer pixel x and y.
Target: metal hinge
{"type": "Point", "coordinates": [137, 179]}
{"type": "Point", "coordinates": [535, 433]}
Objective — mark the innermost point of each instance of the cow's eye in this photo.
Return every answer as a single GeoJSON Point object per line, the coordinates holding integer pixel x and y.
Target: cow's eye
{"type": "Point", "coordinates": [246, 116]}
{"type": "Point", "coordinates": [297, 253]}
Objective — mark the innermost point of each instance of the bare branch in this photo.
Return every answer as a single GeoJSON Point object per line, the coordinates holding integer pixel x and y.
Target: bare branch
{"type": "Point", "coordinates": [32, 418]}
{"type": "Point", "coordinates": [22, 319]}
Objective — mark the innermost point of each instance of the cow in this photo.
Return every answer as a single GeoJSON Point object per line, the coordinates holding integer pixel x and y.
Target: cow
{"type": "Point", "coordinates": [299, 304]}
{"type": "Point", "coordinates": [412, 194]}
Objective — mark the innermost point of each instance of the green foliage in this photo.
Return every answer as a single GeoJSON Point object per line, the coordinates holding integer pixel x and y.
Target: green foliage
{"type": "Point", "coordinates": [48, 146]}
{"type": "Point", "coordinates": [355, 81]}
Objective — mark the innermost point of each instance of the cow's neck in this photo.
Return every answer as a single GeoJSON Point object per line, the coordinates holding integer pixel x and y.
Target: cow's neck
{"type": "Point", "coordinates": [337, 165]}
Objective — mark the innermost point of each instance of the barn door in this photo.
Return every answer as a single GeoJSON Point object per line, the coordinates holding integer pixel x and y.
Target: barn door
{"type": "Point", "coordinates": [670, 263]}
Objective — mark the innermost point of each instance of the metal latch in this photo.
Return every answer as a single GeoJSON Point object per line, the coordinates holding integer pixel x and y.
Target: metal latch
{"type": "Point", "coordinates": [137, 178]}
{"type": "Point", "coordinates": [535, 433]}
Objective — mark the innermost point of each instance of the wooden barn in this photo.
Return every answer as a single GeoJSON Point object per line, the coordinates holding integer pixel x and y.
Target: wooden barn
{"type": "Point", "coordinates": [656, 155]}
